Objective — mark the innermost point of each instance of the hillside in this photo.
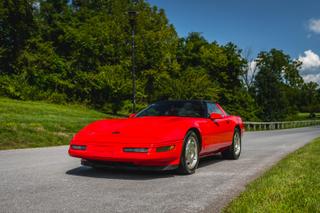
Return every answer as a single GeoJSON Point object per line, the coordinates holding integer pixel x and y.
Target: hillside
{"type": "Point", "coordinates": [36, 124]}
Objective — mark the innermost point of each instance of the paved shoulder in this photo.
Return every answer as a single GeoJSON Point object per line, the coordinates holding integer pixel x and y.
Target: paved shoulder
{"type": "Point", "coordinates": [47, 180]}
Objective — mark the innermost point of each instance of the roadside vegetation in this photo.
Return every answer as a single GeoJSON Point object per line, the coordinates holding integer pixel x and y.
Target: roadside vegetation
{"type": "Point", "coordinates": [80, 52]}
{"type": "Point", "coordinates": [292, 185]}
{"type": "Point", "coordinates": [306, 116]}
{"type": "Point", "coordinates": [36, 124]}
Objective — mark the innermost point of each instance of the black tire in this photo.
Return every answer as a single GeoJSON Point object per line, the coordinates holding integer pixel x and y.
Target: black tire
{"type": "Point", "coordinates": [233, 153]}
{"type": "Point", "coordinates": [185, 167]}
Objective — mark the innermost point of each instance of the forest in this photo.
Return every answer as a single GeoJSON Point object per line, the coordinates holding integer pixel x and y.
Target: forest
{"type": "Point", "coordinates": [79, 51]}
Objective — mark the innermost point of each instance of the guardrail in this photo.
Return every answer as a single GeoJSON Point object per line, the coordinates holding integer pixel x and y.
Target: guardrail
{"type": "Point", "coordinates": [255, 126]}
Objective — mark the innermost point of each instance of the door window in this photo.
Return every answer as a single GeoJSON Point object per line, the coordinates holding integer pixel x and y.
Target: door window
{"type": "Point", "coordinates": [212, 108]}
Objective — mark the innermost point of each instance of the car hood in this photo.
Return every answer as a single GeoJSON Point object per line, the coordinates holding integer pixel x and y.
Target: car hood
{"type": "Point", "coordinates": [135, 130]}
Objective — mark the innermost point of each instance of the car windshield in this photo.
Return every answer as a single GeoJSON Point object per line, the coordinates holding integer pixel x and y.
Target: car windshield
{"type": "Point", "coordinates": [175, 108]}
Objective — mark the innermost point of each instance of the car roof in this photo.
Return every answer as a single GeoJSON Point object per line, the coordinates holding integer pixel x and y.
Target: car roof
{"type": "Point", "coordinates": [199, 101]}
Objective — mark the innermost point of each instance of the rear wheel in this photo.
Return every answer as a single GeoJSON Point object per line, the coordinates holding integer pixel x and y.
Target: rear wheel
{"type": "Point", "coordinates": [234, 151]}
{"type": "Point", "coordinates": [189, 158]}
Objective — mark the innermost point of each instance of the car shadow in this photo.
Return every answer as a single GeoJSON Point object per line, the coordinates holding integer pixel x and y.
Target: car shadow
{"type": "Point", "coordinates": [207, 161]}
{"type": "Point", "coordinates": [122, 174]}
{"type": "Point", "coordinates": [125, 174]}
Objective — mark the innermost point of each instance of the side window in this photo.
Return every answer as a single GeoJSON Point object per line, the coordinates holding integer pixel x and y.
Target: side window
{"type": "Point", "coordinates": [210, 108]}
{"type": "Point", "coordinates": [213, 108]}
{"type": "Point", "coordinates": [218, 110]}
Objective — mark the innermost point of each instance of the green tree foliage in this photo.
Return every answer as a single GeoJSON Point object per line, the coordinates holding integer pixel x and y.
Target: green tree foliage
{"type": "Point", "coordinates": [80, 51]}
{"type": "Point", "coordinates": [193, 83]}
{"type": "Point", "coordinates": [17, 23]}
{"type": "Point", "coordinates": [310, 98]}
{"type": "Point", "coordinates": [275, 83]}
{"type": "Point", "coordinates": [223, 65]}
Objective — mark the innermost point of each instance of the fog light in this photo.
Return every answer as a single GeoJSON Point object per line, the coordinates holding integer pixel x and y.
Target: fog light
{"type": "Point", "coordinates": [140, 150]}
{"type": "Point", "coordinates": [165, 148]}
{"type": "Point", "coordinates": [78, 147]}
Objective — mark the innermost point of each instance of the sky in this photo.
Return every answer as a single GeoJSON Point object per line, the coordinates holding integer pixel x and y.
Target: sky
{"type": "Point", "coordinates": [254, 25]}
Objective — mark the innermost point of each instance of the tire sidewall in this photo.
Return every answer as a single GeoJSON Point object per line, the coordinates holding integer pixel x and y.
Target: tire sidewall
{"type": "Point", "coordinates": [236, 156]}
{"type": "Point", "coordinates": [185, 168]}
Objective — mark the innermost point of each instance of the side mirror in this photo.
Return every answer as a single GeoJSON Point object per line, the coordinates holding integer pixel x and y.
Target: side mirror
{"type": "Point", "coordinates": [132, 115]}
{"type": "Point", "coordinates": [215, 116]}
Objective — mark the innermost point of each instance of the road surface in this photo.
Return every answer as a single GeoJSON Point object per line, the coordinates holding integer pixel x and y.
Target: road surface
{"type": "Point", "coordinates": [48, 180]}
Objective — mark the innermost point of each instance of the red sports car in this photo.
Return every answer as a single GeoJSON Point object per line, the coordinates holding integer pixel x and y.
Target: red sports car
{"type": "Point", "coordinates": [165, 135]}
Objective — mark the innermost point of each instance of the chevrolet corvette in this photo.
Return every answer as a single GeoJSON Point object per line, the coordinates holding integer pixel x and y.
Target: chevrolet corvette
{"type": "Point", "coordinates": [166, 135]}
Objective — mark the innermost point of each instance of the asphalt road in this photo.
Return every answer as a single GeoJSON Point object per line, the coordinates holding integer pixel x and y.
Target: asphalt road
{"type": "Point", "coordinates": [48, 180]}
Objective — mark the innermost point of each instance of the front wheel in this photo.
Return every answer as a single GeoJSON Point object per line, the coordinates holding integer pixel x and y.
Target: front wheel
{"type": "Point", "coordinates": [189, 158]}
{"type": "Point", "coordinates": [233, 152]}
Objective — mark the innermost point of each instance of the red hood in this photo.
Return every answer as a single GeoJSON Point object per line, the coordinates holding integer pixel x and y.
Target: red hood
{"type": "Point", "coordinates": [144, 129]}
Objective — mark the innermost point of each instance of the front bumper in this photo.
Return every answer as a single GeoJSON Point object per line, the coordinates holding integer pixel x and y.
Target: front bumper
{"type": "Point", "coordinates": [114, 152]}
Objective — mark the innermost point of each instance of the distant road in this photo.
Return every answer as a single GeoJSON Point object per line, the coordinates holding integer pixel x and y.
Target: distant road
{"type": "Point", "coordinates": [48, 180]}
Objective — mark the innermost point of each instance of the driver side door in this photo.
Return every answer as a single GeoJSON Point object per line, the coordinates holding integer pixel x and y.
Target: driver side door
{"type": "Point", "coordinates": [219, 129]}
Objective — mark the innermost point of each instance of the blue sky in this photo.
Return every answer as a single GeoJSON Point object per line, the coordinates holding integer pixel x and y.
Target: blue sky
{"type": "Point", "coordinates": [290, 25]}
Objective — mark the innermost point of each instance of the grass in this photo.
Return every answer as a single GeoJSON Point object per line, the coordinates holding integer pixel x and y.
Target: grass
{"type": "Point", "coordinates": [292, 185]}
{"type": "Point", "coordinates": [305, 116]}
{"type": "Point", "coordinates": [25, 124]}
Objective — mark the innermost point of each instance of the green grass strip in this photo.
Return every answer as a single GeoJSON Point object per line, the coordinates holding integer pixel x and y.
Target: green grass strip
{"type": "Point", "coordinates": [25, 124]}
{"type": "Point", "coordinates": [292, 185]}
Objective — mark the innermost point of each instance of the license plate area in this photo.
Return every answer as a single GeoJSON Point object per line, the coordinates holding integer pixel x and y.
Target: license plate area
{"type": "Point", "coordinates": [102, 150]}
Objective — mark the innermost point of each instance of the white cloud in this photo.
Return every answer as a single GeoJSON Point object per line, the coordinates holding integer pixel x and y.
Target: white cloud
{"type": "Point", "coordinates": [312, 77]}
{"type": "Point", "coordinates": [310, 62]}
{"type": "Point", "coordinates": [314, 25]}
{"type": "Point", "coordinates": [310, 68]}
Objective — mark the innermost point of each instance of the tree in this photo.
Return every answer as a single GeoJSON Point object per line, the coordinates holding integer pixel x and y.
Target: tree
{"type": "Point", "coordinates": [278, 75]}
{"type": "Point", "coordinates": [16, 27]}
{"type": "Point", "coordinates": [193, 83]}
{"type": "Point", "coordinates": [310, 98]}
{"type": "Point", "coordinates": [189, 50]}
